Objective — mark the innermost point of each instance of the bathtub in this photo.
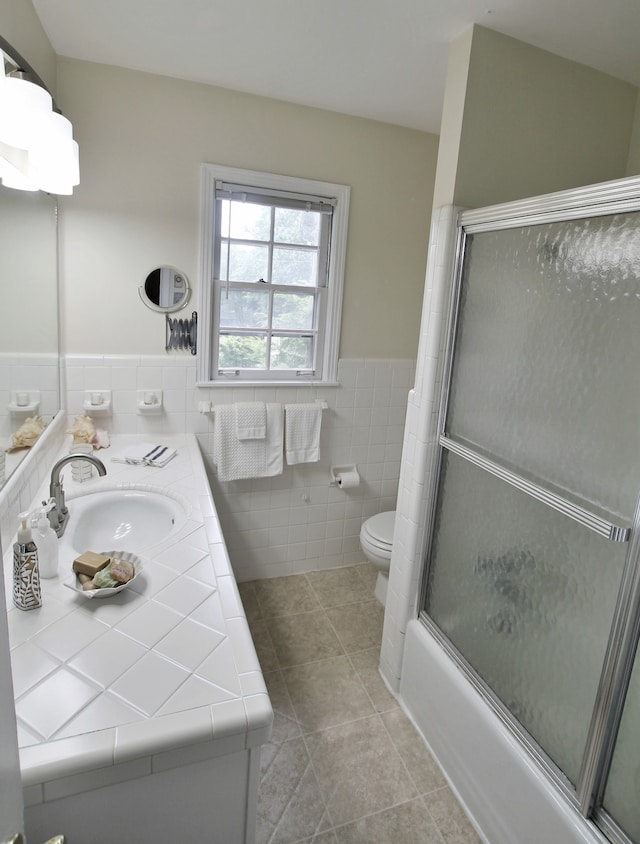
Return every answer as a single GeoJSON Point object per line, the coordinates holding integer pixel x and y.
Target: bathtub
{"type": "Point", "coordinates": [508, 797]}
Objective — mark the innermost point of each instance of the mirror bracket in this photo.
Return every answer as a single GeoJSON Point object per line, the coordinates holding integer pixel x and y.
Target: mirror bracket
{"type": "Point", "coordinates": [182, 333]}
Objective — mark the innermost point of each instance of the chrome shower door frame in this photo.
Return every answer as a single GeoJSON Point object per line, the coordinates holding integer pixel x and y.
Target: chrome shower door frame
{"type": "Point", "coordinates": [598, 200]}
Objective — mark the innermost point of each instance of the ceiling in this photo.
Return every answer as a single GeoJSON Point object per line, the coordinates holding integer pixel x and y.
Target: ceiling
{"type": "Point", "coordinates": [380, 59]}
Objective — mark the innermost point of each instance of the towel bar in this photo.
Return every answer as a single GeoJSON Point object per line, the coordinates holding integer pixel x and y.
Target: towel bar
{"type": "Point", "coordinates": [209, 407]}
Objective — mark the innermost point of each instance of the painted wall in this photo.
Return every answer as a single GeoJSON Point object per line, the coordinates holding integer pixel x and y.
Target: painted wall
{"type": "Point", "coordinates": [142, 139]}
{"type": "Point", "coordinates": [633, 164]}
{"type": "Point", "coordinates": [21, 27]}
{"type": "Point", "coordinates": [535, 123]}
{"type": "Point", "coordinates": [452, 116]}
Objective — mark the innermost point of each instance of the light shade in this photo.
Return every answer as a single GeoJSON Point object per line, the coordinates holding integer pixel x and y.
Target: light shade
{"type": "Point", "coordinates": [37, 150]}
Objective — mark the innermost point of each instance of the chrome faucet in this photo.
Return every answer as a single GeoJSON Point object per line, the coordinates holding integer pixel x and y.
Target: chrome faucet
{"type": "Point", "coordinates": [58, 515]}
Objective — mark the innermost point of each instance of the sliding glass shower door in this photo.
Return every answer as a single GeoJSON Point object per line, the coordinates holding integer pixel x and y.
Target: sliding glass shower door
{"type": "Point", "coordinates": [623, 785]}
{"type": "Point", "coordinates": [539, 474]}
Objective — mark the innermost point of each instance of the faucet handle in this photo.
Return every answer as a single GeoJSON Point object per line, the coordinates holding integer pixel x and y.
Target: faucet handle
{"type": "Point", "coordinates": [54, 519]}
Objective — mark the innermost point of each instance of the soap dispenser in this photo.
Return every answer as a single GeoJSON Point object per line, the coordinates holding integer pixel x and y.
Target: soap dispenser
{"type": "Point", "coordinates": [26, 571]}
{"type": "Point", "coordinates": [46, 542]}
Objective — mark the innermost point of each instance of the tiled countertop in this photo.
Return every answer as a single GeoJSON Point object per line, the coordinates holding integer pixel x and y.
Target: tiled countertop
{"type": "Point", "coordinates": [157, 676]}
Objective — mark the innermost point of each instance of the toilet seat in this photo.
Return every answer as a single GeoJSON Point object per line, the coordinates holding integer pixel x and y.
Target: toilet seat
{"type": "Point", "coordinates": [381, 547]}
{"type": "Point", "coordinates": [379, 529]}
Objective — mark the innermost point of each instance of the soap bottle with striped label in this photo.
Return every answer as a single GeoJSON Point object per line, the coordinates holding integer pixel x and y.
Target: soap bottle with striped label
{"type": "Point", "coordinates": [27, 594]}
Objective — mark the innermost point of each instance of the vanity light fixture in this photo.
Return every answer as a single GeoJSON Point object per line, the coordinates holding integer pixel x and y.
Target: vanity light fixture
{"type": "Point", "coordinates": [37, 150]}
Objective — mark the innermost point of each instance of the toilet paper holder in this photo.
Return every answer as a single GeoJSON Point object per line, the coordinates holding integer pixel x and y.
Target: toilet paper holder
{"type": "Point", "coordinates": [344, 476]}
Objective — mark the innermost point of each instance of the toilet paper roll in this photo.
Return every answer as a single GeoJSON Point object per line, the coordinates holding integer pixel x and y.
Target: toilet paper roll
{"type": "Point", "coordinates": [348, 479]}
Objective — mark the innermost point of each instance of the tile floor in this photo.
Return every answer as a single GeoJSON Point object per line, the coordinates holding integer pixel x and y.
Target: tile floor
{"type": "Point", "coordinates": [344, 765]}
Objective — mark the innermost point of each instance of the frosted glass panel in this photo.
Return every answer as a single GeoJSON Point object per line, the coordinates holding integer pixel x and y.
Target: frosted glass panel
{"type": "Point", "coordinates": [546, 374]}
{"type": "Point", "coordinates": [527, 597]}
{"type": "Point", "coordinates": [623, 787]}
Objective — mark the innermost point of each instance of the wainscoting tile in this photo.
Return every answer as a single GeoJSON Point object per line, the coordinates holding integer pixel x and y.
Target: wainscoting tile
{"type": "Point", "coordinates": [363, 424]}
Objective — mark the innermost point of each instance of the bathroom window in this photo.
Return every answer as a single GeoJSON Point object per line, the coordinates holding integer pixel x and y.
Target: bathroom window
{"type": "Point", "coordinates": [273, 265]}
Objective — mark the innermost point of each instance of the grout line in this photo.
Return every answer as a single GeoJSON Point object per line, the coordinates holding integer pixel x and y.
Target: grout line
{"type": "Point", "coordinates": [305, 735]}
{"type": "Point", "coordinates": [292, 794]}
{"type": "Point", "coordinates": [382, 811]}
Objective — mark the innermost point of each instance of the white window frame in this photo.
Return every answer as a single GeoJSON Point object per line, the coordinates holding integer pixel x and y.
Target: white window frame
{"type": "Point", "coordinates": [328, 336]}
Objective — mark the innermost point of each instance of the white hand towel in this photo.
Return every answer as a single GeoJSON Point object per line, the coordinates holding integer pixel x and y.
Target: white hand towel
{"type": "Point", "coordinates": [148, 454]}
{"type": "Point", "coordinates": [239, 459]}
{"type": "Point", "coordinates": [251, 420]}
{"type": "Point", "coordinates": [302, 432]}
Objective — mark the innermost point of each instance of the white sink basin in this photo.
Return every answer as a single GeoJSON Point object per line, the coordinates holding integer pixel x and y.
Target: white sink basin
{"type": "Point", "coordinates": [122, 519]}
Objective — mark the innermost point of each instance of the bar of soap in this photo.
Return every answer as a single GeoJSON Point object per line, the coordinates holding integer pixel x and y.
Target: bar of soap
{"type": "Point", "coordinates": [90, 563]}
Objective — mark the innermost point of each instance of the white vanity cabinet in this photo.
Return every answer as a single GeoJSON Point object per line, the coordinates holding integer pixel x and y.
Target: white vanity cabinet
{"type": "Point", "coordinates": [141, 716]}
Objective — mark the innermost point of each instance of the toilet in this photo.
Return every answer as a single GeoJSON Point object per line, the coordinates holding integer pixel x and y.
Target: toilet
{"type": "Point", "coordinates": [376, 540]}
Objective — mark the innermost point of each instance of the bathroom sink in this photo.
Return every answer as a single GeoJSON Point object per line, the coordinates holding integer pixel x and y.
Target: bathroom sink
{"type": "Point", "coordinates": [122, 519]}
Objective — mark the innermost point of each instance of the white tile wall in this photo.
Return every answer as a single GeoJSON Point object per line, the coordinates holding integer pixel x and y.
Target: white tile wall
{"type": "Point", "coordinates": [420, 440]}
{"type": "Point", "coordinates": [23, 373]}
{"type": "Point", "coordinates": [295, 522]}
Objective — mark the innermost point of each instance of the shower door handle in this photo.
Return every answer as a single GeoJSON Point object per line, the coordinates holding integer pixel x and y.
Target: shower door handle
{"type": "Point", "coordinates": [600, 524]}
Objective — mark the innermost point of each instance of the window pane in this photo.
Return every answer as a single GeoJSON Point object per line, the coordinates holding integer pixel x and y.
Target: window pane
{"type": "Point", "coordinates": [241, 351]}
{"type": "Point", "coordinates": [244, 308]}
{"type": "Point", "coordinates": [246, 263]}
{"type": "Point", "coordinates": [293, 310]}
{"type": "Point", "coordinates": [292, 353]}
{"type": "Point", "coordinates": [301, 227]}
{"type": "Point", "coordinates": [248, 221]}
{"type": "Point", "coordinates": [295, 266]}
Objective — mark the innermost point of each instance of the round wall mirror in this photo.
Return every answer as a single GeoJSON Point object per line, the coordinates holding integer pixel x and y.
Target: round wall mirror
{"type": "Point", "coordinates": [165, 289]}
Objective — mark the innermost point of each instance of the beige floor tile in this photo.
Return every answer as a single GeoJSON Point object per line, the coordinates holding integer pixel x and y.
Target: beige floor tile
{"type": "Point", "coordinates": [359, 626]}
{"type": "Point", "coordinates": [304, 637]}
{"type": "Point", "coordinates": [285, 723]}
{"type": "Point", "coordinates": [452, 823]}
{"type": "Point", "coordinates": [290, 804]}
{"type": "Point", "coordinates": [369, 575]}
{"type": "Point", "coordinates": [421, 765]}
{"type": "Point", "coordinates": [322, 838]}
{"type": "Point", "coordinates": [285, 595]}
{"type": "Point", "coordinates": [249, 600]}
{"type": "Point", "coordinates": [263, 644]}
{"type": "Point", "coordinates": [358, 769]}
{"type": "Point", "coordinates": [336, 587]}
{"type": "Point", "coordinates": [408, 823]}
{"type": "Point", "coordinates": [369, 768]}
{"type": "Point", "coordinates": [326, 693]}
{"type": "Point", "coordinates": [366, 664]}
